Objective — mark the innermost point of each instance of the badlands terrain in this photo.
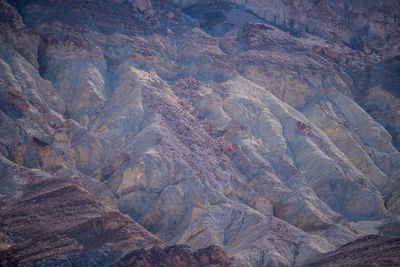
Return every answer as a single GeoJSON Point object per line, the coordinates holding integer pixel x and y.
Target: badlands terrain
{"type": "Point", "coordinates": [199, 133]}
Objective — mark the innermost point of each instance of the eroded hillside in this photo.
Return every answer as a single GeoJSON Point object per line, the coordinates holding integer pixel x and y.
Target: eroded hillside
{"type": "Point", "coordinates": [268, 128]}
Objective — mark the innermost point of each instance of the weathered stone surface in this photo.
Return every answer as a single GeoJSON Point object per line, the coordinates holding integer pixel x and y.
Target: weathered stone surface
{"type": "Point", "coordinates": [370, 27]}
{"type": "Point", "coordinates": [142, 5]}
{"type": "Point", "coordinates": [370, 250]}
{"type": "Point", "coordinates": [266, 136]}
{"type": "Point", "coordinates": [56, 221]}
{"type": "Point", "coordinates": [176, 256]}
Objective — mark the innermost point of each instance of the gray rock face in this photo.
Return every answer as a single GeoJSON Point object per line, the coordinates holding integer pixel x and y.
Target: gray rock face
{"type": "Point", "coordinates": [369, 27]}
{"type": "Point", "coordinates": [261, 135]}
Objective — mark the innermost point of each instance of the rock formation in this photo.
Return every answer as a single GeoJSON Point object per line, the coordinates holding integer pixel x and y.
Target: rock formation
{"type": "Point", "coordinates": [57, 222]}
{"type": "Point", "coordinates": [368, 251]}
{"type": "Point", "coordinates": [248, 125]}
{"type": "Point", "coordinates": [175, 256]}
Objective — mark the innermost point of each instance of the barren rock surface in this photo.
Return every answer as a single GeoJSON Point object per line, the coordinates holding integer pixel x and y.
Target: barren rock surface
{"type": "Point", "coordinates": [243, 124]}
{"type": "Point", "coordinates": [57, 222]}
{"type": "Point", "coordinates": [367, 251]}
{"type": "Point", "coordinates": [175, 256]}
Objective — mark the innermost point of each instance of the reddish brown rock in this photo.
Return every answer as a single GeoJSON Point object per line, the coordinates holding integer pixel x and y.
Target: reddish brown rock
{"type": "Point", "coordinates": [188, 83]}
{"type": "Point", "coordinates": [303, 128]}
{"type": "Point", "coordinates": [212, 256]}
{"type": "Point", "coordinates": [58, 219]}
{"type": "Point", "coordinates": [211, 127]}
{"type": "Point", "coordinates": [19, 151]}
{"type": "Point", "coordinates": [227, 147]}
{"type": "Point", "coordinates": [175, 256]}
{"type": "Point", "coordinates": [16, 100]}
{"type": "Point", "coordinates": [372, 250]}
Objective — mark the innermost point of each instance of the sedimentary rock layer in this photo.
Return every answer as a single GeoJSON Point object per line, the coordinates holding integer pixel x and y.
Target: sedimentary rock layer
{"type": "Point", "coordinates": [258, 129]}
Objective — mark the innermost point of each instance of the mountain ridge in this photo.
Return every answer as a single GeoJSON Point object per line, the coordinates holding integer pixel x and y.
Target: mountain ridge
{"type": "Point", "coordinates": [269, 140]}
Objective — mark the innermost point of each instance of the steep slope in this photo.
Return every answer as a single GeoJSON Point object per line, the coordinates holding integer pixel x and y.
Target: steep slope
{"type": "Point", "coordinates": [368, 251]}
{"type": "Point", "coordinates": [57, 222]}
{"type": "Point", "coordinates": [366, 26]}
{"type": "Point", "coordinates": [175, 256]}
{"type": "Point", "coordinates": [204, 128]}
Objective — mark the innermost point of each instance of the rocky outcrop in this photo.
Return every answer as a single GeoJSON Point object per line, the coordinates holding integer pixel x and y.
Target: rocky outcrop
{"type": "Point", "coordinates": [370, 250]}
{"type": "Point", "coordinates": [207, 125]}
{"type": "Point", "coordinates": [56, 221]}
{"type": "Point", "coordinates": [175, 256]}
{"type": "Point", "coordinates": [370, 27]}
{"type": "Point", "coordinates": [379, 90]}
